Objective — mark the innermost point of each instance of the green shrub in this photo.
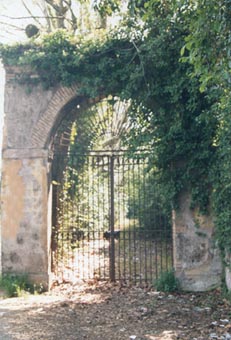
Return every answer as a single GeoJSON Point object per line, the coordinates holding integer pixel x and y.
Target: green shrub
{"type": "Point", "coordinates": [167, 282]}
{"type": "Point", "coordinates": [15, 285]}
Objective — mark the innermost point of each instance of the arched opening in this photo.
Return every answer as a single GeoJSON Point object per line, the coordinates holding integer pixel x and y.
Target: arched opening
{"type": "Point", "coordinates": [110, 220]}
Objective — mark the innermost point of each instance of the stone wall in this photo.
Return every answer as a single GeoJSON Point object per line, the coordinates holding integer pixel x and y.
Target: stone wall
{"type": "Point", "coordinates": [228, 270]}
{"type": "Point", "coordinates": [24, 214]}
{"type": "Point", "coordinates": [196, 257]}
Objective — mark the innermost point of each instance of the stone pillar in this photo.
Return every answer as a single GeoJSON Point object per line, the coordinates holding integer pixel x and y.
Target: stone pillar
{"type": "Point", "coordinates": [228, 270]}
{"type": "Point", "coordinates": [25, 226]}
{"type": "Point", "coordinates": [24, 199]}
{"type": "Point", "coordinates": [32, 116]}
{"type": "Point", "coordinates": [196, 258]}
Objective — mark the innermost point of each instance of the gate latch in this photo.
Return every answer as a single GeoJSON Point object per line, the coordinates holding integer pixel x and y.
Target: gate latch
{"type": "Point", "coordinates": [115, 233]}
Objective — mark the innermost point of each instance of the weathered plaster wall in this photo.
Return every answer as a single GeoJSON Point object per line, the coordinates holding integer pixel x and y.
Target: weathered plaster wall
{"type": "Point", "coordinates": [31, 112]}
{"type": "Point", "coordinates": [24, 210]}
{"type": "Point", "coordinates": [196, 257]}
{"type": "Point", "coordinates": [228, 270]}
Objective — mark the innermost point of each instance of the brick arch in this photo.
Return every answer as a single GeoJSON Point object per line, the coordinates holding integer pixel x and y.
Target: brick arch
{"type": "Point", "coordinates": [42, 130]}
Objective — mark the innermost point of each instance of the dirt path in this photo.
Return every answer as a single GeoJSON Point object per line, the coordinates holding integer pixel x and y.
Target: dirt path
{"type": "Point", "coordinates": [106, 312]}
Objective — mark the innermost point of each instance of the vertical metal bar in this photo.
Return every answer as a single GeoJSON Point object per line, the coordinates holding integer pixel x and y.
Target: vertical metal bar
{"type": "Point", "coordinates": [140, 195]}
{"type": "Point", "coordinates": [94, 215]}
{"type": "Point", "coordinates": [83, 212]}
{"type": "Point", "coordinates": [89, 188]}
{"type": "Point", "coordinates": [171, 242]}
{"type": "Point", "coordinates": [112, 221]}
{"type": "Point", "coordinates": [146, 200]}
{"type": "Point", "coordinates": [118, 213]}
{"type": "Point", "coordinates": [109, 210]}
{"type": "Point", "coordinates": [159, 230]}
{"type": "Point", "coordinates": [105, 209]}
{"type": "Point", "coordinates": [133, 245]}
{"type": "Point", "coordinates": [164, 221]}
{"type": "Point", "coordinates": [99, 214]}
{"type": "Point", "coordinates": [62, 230]}
{"type": "Point", "coordinates": [76, 213]}
{"type": "Point", "coordinates": [124, 215]}
{"type": "Point", "coordinates": [73, 251]}
{"type": "Point", "coordinates": [129, 224]}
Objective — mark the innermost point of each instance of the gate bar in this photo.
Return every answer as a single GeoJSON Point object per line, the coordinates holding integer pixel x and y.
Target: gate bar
{"type": "Point", "coordinates": [112, 221]}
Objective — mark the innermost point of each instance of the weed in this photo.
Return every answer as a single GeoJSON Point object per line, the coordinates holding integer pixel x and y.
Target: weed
{"type": "Point", "coordinates": [226, 293]}
{"type": "Point", "coordinates": [14, 285]}
{"type": "Point", "coordinates": [167, 282]}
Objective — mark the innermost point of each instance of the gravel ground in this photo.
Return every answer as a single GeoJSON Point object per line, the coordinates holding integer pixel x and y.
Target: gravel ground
{"type": "Point", "coordinates": [102, 311]}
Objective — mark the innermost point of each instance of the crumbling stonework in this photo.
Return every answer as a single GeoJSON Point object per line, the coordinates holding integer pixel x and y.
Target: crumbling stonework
{"type": "Point", "coordinates": [196, 256]}
{"type": "Point", "coordinates": [24, 210]}
{"type": "Point", "coordinates": [228, 270]}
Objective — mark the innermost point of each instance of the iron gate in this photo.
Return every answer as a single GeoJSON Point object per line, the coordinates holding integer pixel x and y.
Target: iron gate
{"type": "Point", "coordinates": [109, 219]}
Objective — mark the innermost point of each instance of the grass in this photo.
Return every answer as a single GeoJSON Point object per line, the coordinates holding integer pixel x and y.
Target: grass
{"type": "Point", "coordinates": [167, 282]}
{"type": "Point", "coordinates": [15, 285]}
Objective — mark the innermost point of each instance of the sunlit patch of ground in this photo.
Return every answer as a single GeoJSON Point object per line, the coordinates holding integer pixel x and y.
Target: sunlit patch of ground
{"type": "Point", "coordinates": [165, 335]}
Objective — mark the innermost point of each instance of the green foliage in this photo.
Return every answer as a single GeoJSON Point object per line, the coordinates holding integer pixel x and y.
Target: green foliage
{"type": "Point", "coordinates": [16, 285]}
{"type": "Point", "coordinates": [209, 45]}
{"type": "Point", "coordinates": [106, 7]}
{"type": "Point", "coordinates": [222, 178]}
{"type": "Point", "coordinates": [174, 119]}
{"type": "Point", "coordinates": [149, 204]}
{"type": "Point", "coordinates": [167, 282]}
{"type": "Point", "coordinates": [208, 48]}
{"type": "Point", "coordinates": [61, 58]}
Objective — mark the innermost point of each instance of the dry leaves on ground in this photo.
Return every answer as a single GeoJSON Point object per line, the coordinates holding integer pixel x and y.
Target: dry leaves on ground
{"type": "Point", "coordinates": [102, 311]}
